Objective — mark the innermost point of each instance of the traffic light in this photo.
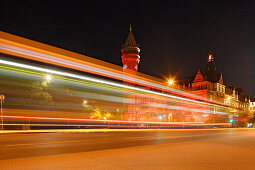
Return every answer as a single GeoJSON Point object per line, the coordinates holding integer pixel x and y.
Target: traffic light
{"type": "Point", "coordinates": [231, 120]}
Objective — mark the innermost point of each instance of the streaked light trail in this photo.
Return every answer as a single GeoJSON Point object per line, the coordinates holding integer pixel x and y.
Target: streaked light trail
{"type": "Point", "coordinates": [66, 74]}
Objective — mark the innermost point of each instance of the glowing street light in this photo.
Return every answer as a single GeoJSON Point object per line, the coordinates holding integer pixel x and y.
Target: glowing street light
{"type": "Point", "coordinates": [228, 98]}
{"type": "Point", "coordinates": [47, 77]}
{"type": "Point", "coordinates": [85, 101]}
{"type": "Point", "coordinates": [171, 82]}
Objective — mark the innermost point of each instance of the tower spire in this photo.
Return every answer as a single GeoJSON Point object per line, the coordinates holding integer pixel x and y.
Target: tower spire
{"type": "Point", "coordinates": [130, 39]}
{"type": "Point", "coordinates": [130, 53]}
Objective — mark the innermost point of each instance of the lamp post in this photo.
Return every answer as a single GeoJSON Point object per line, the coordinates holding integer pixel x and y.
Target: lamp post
{"type": "Point", "coordinates": [48, 78]}
{"type": "Point", "coordinates": [85, 101]}
{"type": "Point", "coordinates": [171, 82]}
{"type": "Point", "coordinates": [2, 97]}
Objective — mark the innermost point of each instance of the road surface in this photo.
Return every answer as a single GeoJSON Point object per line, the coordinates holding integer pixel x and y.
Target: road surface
{"type": "Point", "coordinates": [161, 149]}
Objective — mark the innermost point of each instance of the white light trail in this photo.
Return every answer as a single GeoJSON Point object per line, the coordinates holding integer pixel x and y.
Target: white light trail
{"type": "Point", "coordinates": [66, 74]}
{"type": "Point", "coordinates": [66, 62]}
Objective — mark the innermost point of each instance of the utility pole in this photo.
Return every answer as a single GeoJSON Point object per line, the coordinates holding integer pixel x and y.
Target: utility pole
{"type": "Point", "coordinates": [2, 97]}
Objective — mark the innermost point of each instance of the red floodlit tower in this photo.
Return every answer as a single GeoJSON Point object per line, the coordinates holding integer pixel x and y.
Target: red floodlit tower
{"type": "Point", "coordinates": [130, 53]}
{"type": "Point", "coordinates": [130, 59]}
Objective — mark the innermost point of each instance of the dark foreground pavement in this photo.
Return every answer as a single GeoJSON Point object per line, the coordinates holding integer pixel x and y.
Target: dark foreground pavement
{"type": "Point", "coordinates": [166, 149]}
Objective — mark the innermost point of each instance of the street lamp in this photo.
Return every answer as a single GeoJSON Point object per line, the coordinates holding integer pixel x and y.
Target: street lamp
{"type": "Point", "coordinates": [47, 78]}
{"type": "Point", "coordinates": [171, 82]}
{"type": "Point", "coordinates": [85, 101]}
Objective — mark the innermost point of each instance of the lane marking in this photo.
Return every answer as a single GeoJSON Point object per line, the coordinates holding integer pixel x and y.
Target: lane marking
{"type": "Point", "coordinates": [43, 143]}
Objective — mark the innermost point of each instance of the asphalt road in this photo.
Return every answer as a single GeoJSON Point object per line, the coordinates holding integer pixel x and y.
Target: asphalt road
{"type": "Point", "coordinates": [164, 149]}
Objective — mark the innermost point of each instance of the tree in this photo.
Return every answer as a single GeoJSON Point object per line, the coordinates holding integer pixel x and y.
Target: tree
{"type": "Point", "coordinates": [107, 115]}
{"type": "Point", "coordinates": [39, 93]}
{"type": "Point", "coordinates": [96, 114]}
{"type": "Point", "coordinates": [86, 106]}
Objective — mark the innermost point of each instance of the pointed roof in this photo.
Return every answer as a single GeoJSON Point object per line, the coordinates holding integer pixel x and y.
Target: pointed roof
{"type": "Point", "coordinates": [199, 77]}
{"type": "Point", "coordinates": [220, 78]}
{"type": "Point", "coordinates": [130, 39]}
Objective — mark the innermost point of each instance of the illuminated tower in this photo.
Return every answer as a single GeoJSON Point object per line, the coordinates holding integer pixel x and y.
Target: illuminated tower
{"type": "Point", "coordinates": [130, 59]}
{"type": "Point", "coordinates": [130, 53]}
{"type": "Point", "coordinates": [210, 71]}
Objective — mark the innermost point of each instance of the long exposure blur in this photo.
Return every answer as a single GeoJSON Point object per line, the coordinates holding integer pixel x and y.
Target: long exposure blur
{"type": "Point", "coordinates": [45, 90]}
{"type": "Point", "coordinates": [122, 84]}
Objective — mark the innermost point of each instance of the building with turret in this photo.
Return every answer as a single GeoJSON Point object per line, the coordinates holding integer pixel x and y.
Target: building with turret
{"type": "Point", "coordinates": [130, 59]}
{"type": "Point", "coordinates": [209, 83]}
{"type": "Point", "coordinates": [130, 53]}
{"type": "Point", "coordinates": [139, 107]}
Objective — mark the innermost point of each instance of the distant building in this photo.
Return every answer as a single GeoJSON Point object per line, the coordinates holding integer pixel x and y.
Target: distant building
{"type": "Point", "coordinates": [209, 83]}
{"type": "Point", "coordinates": [252, 105]}
{"type": "Point", "coordinates": [139, 107]}
{"type": "Point", "coordinates": [130, 60]}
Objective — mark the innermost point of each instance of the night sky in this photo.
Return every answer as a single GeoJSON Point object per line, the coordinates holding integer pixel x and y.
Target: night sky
{"type": "Point", "coordinates": [174, 36]}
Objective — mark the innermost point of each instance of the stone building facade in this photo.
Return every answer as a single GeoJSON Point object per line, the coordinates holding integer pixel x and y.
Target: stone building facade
{"type": "Point", "coordinates": [209, 83]}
